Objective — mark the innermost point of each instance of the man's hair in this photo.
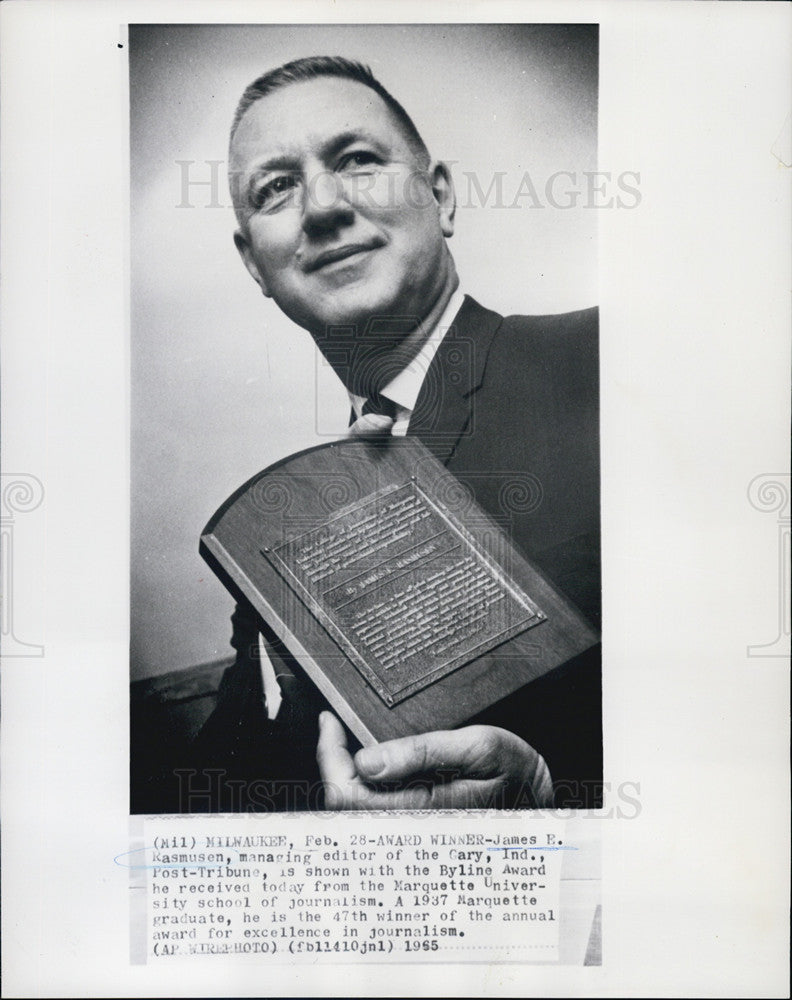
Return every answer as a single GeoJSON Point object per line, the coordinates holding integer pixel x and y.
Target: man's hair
{"type": "Point", "coordinates": [314, 67]}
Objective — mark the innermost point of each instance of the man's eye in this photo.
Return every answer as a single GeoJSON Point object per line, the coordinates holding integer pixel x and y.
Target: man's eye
{"type": "Point", "coordinates": [357, 159]}
{"type": "Point", "coordinates": [273, 191]}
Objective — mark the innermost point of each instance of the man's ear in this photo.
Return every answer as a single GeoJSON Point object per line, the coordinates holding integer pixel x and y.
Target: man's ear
{"type": "Point", "coordinates": [243, 246]}
{"type": "Point", "coordinates": [445, 196]}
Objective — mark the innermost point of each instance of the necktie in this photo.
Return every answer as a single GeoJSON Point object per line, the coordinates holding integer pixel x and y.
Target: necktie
{"type": "Point", "coordinates": [376, 418]}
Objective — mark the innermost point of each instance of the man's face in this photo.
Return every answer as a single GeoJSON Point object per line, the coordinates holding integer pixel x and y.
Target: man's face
{"type": "Point", "coordinates": [341, 220]}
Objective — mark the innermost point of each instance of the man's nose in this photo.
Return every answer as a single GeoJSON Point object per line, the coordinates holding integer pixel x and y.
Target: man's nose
{"type": "Point", "coordinates": [325, 205]}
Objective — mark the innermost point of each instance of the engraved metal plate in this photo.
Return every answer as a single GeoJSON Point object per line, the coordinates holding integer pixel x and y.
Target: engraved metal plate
{"type": "Point", "coordinates": [404, 589]}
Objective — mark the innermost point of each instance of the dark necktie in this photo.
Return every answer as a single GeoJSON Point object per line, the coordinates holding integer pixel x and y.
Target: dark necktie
{"type": "Point", "coordinates": [380, 405]}
{"type": "Point", "coordinates": [376, 418]}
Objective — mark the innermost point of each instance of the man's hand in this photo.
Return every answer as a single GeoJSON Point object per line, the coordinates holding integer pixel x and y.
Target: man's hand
{"type": "Point", "coordinates": [471, 768]}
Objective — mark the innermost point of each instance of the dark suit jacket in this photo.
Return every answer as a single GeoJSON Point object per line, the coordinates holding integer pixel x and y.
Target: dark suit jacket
{"type": "Point", "coordinates": [510, 406]}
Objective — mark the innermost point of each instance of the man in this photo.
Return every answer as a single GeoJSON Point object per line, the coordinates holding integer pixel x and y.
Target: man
{"type": "Point", "coordinates": [343, 221]}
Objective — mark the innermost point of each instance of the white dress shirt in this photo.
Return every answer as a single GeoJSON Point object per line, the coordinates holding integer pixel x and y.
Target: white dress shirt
{"type": "Point", "coordinates": [403, 390]}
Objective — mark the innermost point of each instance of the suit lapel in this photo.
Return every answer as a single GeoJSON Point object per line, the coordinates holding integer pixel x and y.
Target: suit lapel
{"type": "Point", "coordinates": [443, 408]}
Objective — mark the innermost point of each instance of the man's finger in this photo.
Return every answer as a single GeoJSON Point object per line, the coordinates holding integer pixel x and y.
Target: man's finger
{"type": "Point", "coordinates": [475, 751]}
{"type": "Point", "coordinates": [468, 793]}
{"type": "Point", "coordinates": [335, 762]}
{"type": "Point", "coordinates": [371, 425]}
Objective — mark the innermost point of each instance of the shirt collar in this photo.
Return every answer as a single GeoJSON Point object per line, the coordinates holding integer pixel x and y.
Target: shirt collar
{"type": "Point", "coordinates": [405, 387]}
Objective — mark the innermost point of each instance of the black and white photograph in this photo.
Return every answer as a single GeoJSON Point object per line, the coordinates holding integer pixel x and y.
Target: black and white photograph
{"type": "Point", "coordinates": [431, 649]}
{"type": "Point", "coordinates": [395, 498]}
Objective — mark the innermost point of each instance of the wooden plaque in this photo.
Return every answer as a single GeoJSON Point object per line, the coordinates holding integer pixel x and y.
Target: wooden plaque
{"type": "Point", "coordinates": [401, 599]}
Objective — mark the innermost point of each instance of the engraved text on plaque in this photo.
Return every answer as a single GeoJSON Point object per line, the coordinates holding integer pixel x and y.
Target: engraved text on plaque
{"type": "Point", "coordinates": [404, 589]}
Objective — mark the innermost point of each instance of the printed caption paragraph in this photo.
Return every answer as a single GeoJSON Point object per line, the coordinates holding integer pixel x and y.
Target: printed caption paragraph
{"type": "Point", "coordinates": [436, 887]}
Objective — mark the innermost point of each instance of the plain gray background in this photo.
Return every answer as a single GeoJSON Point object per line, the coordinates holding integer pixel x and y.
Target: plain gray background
{"type": "Point", "coordinates": [222, 383]}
